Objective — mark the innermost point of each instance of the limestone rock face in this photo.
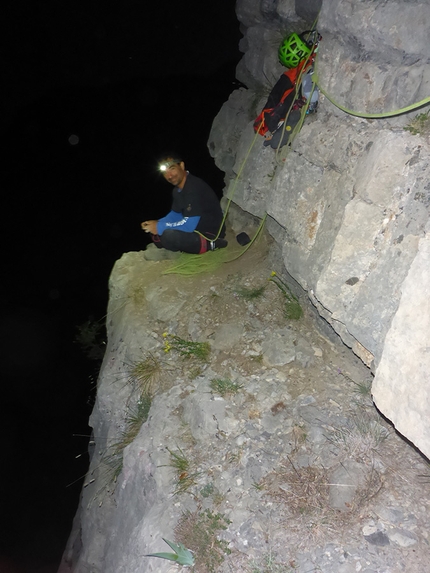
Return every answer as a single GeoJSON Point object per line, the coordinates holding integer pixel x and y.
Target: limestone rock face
{"type": "Point", "coordinates": [268, 429]}
{"type": "Point", "coordinates": [349, 202]}
{"type": "Point", "coordinates": [348, 209]}
{"type": "Point", "coordinates": [409, 336]}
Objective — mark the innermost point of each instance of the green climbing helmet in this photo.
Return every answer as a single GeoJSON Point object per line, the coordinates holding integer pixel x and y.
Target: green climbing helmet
{"type": "Point", "coordinates": [293, 50]}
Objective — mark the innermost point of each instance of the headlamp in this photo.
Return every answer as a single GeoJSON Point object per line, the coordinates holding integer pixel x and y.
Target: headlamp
{"type": "Point", "coordinates": [165, 165]}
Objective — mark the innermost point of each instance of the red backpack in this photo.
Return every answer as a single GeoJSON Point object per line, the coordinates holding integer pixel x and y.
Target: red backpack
{"type": "Point", "coordinates": [280, 99]}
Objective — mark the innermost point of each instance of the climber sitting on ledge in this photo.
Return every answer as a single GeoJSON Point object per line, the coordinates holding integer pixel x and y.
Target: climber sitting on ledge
{"type": "Point", "coordinates": [195, 218]}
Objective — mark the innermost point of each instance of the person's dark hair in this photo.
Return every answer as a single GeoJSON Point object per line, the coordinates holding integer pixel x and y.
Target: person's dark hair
{"type": "Point", "coordinates": [170, 156]}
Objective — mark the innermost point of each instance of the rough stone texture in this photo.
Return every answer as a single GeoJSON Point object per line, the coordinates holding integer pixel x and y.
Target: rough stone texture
{"type": "Point", "coordinates": [301, 464]}
{"type": "Point", "coordinates": [349, 204]}
{"type": "Point", "coordinates": [409, 405]}
{"type": "Point", "coordinates": [348, 209]}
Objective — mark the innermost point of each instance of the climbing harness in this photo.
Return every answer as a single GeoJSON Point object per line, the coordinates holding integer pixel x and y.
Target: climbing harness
{"type": "Point", "coordinates": [190, 265]}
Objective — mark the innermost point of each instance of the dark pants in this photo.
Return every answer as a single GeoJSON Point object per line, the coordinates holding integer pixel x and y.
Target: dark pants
{"type": "Point", "coordinates": [284, 131]}
{"type": "Point", "coordinates": [186, 242]}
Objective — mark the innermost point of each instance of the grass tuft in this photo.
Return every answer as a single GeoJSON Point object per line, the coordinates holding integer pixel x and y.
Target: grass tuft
{"type": "Point", "coordinates": [251, 293]}
{"type": "Point", "coordinates": [185, 478]}
{"type": "Point", "coordinates": [420, 125]}
{"type": "Point", "coordinates": [199, 531]}
{"type": "Point", "coordinates": [146, 373]}
{"type": "Point", "coordinates": [111, 463]}
{"type": "Point", "coordinates": [269, 564]}
{"type": "Point", "coordinates": [133, 422]}
{"type": "Point", "coordinates": [292, 309]}
{"type": "Point", "coordinates": [224, 386]}
{"type": "Point", "coordinates": [360, 437]}
{"type": "Point", "coordinates": [186, 348]}
{"type": "Point", "coordinates": [304, 489]}
{"type": "Point", "coordinates": [363, 388]}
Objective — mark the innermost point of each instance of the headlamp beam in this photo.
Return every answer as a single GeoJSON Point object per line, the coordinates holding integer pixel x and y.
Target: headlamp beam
{"type": "Point", "coordinates": [165, 165]}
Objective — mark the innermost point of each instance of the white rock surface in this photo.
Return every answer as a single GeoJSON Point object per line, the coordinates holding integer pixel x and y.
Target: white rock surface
{"type": "Point", "coordinates": [349, 204]}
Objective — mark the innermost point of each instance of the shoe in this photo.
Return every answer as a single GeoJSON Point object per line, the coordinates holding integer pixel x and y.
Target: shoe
{"type": "Point", "coordinates": [153, 253]}
{"type": "Point", "coordinates": [218, 244]}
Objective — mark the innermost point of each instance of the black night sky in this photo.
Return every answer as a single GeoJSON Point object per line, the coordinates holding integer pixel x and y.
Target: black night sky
{"type": "Point", "coordinates": [91, 96]}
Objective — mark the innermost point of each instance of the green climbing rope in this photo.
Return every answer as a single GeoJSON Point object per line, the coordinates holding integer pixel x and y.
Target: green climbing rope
{"type": "Point", "coordinates": [406, 109]}
{"type": "Point", "coordinates": [190, 265]}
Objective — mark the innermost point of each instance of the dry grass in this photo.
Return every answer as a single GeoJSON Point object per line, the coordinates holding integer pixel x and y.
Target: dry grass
{"type": "Point", "coordinates": [369, 490]}
{"type": "Point", "coordinates": [145, 374]}
{"type": "Point", "coordinates": [199, 531]}
{"type": "Point", "coordinates": [299, 436]}
{"type": "Point", "coordinates": [304, 490]}
{"type": "Point", "coordinates": [360, 437]}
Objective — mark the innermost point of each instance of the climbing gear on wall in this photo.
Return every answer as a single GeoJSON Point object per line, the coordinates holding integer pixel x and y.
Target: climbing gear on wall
{"type": "Point", "coordinates": [310, 93]}
{"type": "Point", "coordinates": [293, 50]}
{"type": "Point", "coordinates": [283, 113]}
{"type": "Point", "coordinates": [297, 47]}
{"type": "Point", "coordinates": [280, 99]}
{"type": "Point", "coordinates": [193, 264]}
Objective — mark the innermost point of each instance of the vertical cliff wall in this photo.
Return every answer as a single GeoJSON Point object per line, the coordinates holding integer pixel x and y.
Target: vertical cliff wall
{"type": "Point", "coordinates": [349, 202]}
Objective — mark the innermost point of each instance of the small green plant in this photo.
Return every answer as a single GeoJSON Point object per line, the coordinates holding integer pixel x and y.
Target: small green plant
{"type": "Point", "coordinates": [251, 293]}
{"type": "Point", "coordinates": [136, 417]}
{"type": "Point", "coordinates": [363, 388]}
{"type": "Point", "coordinates": [186, 348]}
{"type": "Point", "coordinates": [268, 564]}
{"type": "Point", "coordinates": [420, 125]}
{"type": "Point", "coordinates": [185, 478]}
{"type": "Point", "coordinates": [111, 467]}
{"type": "Point", "coordinates": [257, 486]}
{"type": "Point", "coordinates": [224, 386]}
{"type": "Point", "coordinates": [200, 532]}
{"type": "Point", "coordinates": [194, 372]}
{"type": "Point", "coordinates": [178, 460]}
{"type": "Point", "coordinates": [133, 422]}
{"type": "Point", "coordinates": [111, 462]}
{"type": "Point", "coordinates": [182, 555]}
{"type": "Point", "coordinates": [207, 490]}
{"type": "Point", "coordinates": [258, 358]}
{"type": "Point", "coordinates": [293, 310]}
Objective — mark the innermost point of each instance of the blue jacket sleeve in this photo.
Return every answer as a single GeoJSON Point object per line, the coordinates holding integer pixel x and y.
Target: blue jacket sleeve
{"type": "Point", "coordinates": [178, 222]}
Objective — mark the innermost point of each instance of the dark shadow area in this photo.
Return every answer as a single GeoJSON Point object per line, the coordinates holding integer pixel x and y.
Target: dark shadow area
{"type": "Point", "coordinates": [80, 175]}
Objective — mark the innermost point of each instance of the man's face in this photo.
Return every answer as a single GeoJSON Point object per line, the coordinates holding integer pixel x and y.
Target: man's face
{"type": "Point", "coordinates": [176, 174]}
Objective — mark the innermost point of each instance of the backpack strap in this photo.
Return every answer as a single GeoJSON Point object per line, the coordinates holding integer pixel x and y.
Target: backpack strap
{"type": "Point", "coordinates": [275, 108]}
